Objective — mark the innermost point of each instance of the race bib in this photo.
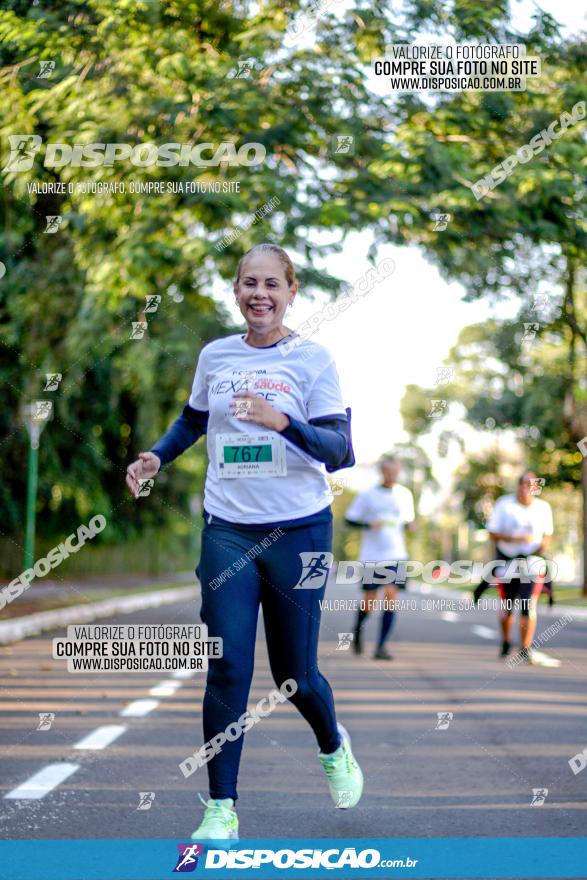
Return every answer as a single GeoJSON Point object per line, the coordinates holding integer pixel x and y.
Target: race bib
{"type": "Point", "coordinates": [244, 455]}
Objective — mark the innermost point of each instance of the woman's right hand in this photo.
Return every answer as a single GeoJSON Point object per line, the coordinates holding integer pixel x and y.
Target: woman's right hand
{"type": "Point", "coordinates": [144, 468]}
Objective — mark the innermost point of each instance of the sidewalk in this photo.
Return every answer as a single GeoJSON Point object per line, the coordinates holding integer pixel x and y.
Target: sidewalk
{"type": "Point", "coordinates": [55, 604]}
{"type": "Point", "coordinates": [45, 594]}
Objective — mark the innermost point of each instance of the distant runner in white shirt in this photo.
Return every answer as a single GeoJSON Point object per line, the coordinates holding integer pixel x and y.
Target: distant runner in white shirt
{"type": "Point", "coordinates": [521, 526]}
{"type": "Point", "coordinates": [382, 512]}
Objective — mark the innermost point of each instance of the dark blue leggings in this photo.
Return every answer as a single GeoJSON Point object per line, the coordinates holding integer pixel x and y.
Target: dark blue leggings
{"type": "Point", "coordinates": [292, 623]}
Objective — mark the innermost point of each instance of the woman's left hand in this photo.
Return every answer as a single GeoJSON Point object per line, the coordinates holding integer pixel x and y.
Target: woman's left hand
{"type": "Point", "coordinates": [259, 410]}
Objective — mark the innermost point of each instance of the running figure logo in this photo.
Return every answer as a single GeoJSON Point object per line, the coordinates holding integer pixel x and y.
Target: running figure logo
{"type": "Point", "coordinates": [442, 221]}
{"type": "Point", "coordinates": [46, 68]}
{"type": "Point", "coordinates": [187, 859]}
{"type": "Point", "coordinates": [46, 719]}
{"type": "Point", "coordinates": [343, 144]}
{"type": "Point", "coordinates": [138, 329]}
{"type": "Point", "coordinates": [23, 148]}
{"type": "Point", "coordinates": [152, 302]}
{"type": "Point", "coordinates": [244, 69]}
{"type": "Point", "coordinates": [242, 409]}
{"type": "Point", "coordinates": [530, 331]}
{"type": "Point", "coordinates": [337, 485]}
{"type": "Point", "coordinates": [315, 568]}
{"type": "Point", "coordinates": [538, 484]}
{"type": "Point", "coordinates": [248, 379]}
{"type": "Point", "coordinates": [539, 302]}
{"type": "Point", "coordinates": [538, 796]}
{"type": "Point", "coordinates": [53, 221]}
{"type": "Point", "coordinates": [145, 487]}
{"type": "Point", "coordinates": [344, 641]}
{"type": "Point", "coordinates": [53, 380]}
{"type": "Point", "coordinates": [444, 375]}
{"type": "Point", "coordinates": [146, 799]}
{"type": "Point", "coordinates": [344, 800]}
{"type": "Point", "coordinates": [42, 410]}
{"type": "Point", "coordinates": [444, 719]}
{"type": "Point", "coordinates": [437, 408]}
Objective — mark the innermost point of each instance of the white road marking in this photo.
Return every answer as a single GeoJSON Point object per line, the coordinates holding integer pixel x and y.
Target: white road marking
{"type": "Point", "coordinates": [165, 688]}
{"type": "Point", "coordinates": [182, 673]}
{"type": "Point", "coordinates": [101, 737]}
{"type": "Point", "coordinates": [42, 782]}
{"type": "Point", "coordinates": [484, 632]}
{"type": "Point", "coordinates": [138, 708]}
{"type": "Point", "coordinates": [545, 659]}
{"type": "Point", "coordinates": [450, 616]}
{"type": "Point", "coordinates": [51, 776]}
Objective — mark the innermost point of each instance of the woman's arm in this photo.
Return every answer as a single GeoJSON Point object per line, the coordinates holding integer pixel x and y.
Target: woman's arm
{"type": "Point", "coordinates": [327, 439]}
{"type": "Point", "coordinates": [511, 539]}
{"type": "Point", "coordinates": [189, 427]}
{"type": "Point", "coordinates": [357, 524]}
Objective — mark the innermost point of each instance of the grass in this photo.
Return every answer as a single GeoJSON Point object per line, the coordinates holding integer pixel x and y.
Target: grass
{"type": "Point", "coordinates": [569, 596]}
{"type": "Point", "coordinates": [562, 595]}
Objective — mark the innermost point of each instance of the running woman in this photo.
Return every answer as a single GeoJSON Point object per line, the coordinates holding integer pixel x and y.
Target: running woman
{"type": "Point", "coordinates": [382, 512]}
{"type": "Point", "coordinates": [273, 419]}
{"type": "Point", "coordinates": [521, 526]}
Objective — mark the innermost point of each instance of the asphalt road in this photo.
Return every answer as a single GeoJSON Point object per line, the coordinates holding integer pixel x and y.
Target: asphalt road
{"type": "Point", "coordinates": [512, 731]}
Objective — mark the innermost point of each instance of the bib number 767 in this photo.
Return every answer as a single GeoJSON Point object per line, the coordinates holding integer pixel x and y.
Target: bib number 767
{"type": "Point", "coordinates": [245, 455]}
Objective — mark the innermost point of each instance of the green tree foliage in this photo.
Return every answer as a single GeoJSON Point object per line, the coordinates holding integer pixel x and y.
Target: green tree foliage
{"type": "Point", "coordinates": [524, 240]}
{"type": "Point", "coordinates": [480, 483]}
{"type": "Point", "coordinates": [161, 71]}
{"type": "Point", "coordinates": [152, 72]}
{"type": "Point", "coordinates": [510, 385]}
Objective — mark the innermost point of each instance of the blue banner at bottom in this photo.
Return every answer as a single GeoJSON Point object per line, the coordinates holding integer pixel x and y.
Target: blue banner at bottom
{"type": "Point", "coordinates": [489, 858]}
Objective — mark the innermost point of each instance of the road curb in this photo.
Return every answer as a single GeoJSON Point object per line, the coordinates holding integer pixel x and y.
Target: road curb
{"type": "Point", "coordinates": [33, 624]}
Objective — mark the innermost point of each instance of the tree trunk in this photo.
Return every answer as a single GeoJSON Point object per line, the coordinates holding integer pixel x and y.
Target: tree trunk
{"type": "Point", "coordinates": [577, 413]}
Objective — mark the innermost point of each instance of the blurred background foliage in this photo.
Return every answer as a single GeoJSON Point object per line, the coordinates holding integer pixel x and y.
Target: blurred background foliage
{"type": "Point", "coordinates": [167, 71]}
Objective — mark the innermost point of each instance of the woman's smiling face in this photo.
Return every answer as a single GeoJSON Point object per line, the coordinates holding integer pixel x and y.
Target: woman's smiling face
{"type": "Point", "coordinates": [262, 292]}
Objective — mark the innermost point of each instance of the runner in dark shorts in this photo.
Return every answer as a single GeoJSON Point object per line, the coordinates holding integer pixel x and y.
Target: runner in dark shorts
{"type": "Point", "coordinates": [521, 526]}
{"type": "Point", "coordinates": [382, 513]}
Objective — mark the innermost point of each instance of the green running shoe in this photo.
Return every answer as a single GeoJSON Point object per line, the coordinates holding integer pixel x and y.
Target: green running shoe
{"type": "Point", "coordinates": [345, 779]}
{"type": "Point", "coordinates": [220, 821]}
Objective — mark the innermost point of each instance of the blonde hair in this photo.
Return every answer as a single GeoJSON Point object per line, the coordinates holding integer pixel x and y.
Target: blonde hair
{"type": "Point", "coordinates": [268, 248]}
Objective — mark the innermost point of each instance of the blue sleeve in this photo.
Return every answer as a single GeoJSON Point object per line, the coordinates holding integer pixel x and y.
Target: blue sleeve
{"type": "Point", "coordinates": [189, 427]}
{"type": "Point", "coordinates": [327, 439]}
{"type": "Point", "coordinates": [356, 523]}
